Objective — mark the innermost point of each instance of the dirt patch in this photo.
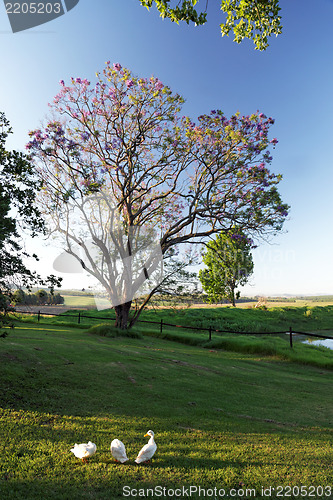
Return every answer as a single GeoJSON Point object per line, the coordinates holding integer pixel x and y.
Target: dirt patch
{"type": "Point", "coordinates": [10, 357]}
{"type": "Point", "coordinates": [196, 367]}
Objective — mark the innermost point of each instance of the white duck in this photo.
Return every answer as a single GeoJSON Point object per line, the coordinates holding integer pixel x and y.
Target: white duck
{"type": "Point", "coordinates": [118, 451]}
{"type": "Point", "coordinates": [147, 452]}
{"type": "Point", "coordinates": [84, 450]}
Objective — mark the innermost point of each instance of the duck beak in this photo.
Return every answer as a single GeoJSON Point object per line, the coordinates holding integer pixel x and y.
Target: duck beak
{"type": "Point", "coordinates": [146, 435]}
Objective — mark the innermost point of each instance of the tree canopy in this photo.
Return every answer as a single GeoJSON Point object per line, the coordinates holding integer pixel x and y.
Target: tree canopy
{"type": "Point", "coordinates": [256, 20]}
{"type": "Point", "coordinates": [41, 297]}
{"type": "Point", "coordinates": [125, 174]}
{"type": "Point", "coordinates": [229, 264]}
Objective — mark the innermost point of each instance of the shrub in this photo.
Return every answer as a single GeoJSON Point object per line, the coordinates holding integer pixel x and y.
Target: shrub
{"type": "Point", "coordinates": [108, 330]}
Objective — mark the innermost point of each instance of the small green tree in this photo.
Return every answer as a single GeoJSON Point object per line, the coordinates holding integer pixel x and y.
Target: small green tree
{"type": "Point", "coordinates": [229, 265]}
{"type": "Point", "coordinates": [19, 297]}
{"type": "Point", "coordinates": [41, 296]}
{"type": "Point", "coordinates": [58, 299]}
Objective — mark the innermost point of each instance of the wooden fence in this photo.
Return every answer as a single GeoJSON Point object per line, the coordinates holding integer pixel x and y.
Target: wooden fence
{"type": "Point", "coordinates": [163, 325]}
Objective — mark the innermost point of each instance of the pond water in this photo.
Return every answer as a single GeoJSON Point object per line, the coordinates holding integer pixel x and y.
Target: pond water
{"type": "Point", "coordinates": [324, 342]}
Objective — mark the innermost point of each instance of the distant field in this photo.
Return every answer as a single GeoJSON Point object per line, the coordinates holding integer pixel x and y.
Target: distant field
{"type": "Point", "coordinates": [295, 303]}
{"type": "Point", "coordinates": [82, 300]}
{"type": "Point", "coordinates": [274, 303]}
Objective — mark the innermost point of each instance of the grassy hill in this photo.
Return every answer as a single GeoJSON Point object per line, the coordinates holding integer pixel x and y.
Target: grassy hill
{"type": "Point", "coordinates": [222, 419]}
{"type": "Point", "coordinates": [312, 318]}
{"type": "Point", "coordinates": [263, 330]}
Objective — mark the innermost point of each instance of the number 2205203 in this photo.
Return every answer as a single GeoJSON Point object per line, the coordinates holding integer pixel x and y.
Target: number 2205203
{"type": "Point", "coordinates": [33, 8]}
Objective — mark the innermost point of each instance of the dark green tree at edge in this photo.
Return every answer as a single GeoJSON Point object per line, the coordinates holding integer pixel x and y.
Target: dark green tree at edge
{"type": "Point", "coordinates": [18, 187]}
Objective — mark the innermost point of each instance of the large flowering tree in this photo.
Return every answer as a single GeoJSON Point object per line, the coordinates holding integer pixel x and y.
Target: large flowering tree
{"type": "Point", "coordinates": [152, 171]}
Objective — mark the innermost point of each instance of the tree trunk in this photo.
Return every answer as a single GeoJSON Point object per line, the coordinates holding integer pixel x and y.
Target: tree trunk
{"type": "Point", "coordinates": [122, 315]}
{"type": "Point", "coordinates": [232, 293]}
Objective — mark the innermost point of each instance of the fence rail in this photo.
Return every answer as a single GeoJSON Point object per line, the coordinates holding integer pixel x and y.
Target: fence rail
{"type": "Point", "coordinates": [162, 325]}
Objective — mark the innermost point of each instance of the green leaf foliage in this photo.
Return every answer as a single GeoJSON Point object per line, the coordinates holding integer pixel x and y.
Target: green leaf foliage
{"type": "Point", "coordinates": [256, 20]}
{"type": "Point", "coordinates": [229, 265]}
{"type": "Point", "coordinates": [183, 11]}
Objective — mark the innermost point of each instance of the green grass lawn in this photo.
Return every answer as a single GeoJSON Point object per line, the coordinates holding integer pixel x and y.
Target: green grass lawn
{"type": "Point", "coordinates": [221, 419]}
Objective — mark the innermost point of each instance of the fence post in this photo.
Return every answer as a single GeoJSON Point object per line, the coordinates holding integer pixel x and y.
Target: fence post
{"type": "Point", "coordinates": [161, 328]}
{"type": "Point", "coordinates": [210, 333]}
{"type": "Point", "coordinates": [38, 316]}
{"type": "Point", "coordinates": [291, 337]}
{"type": "Point", "coordinates": [79, 318]}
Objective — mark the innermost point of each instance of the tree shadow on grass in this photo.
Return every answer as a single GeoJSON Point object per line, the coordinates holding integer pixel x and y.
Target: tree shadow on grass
{"type": "Point", "coordinates": [106, 481]}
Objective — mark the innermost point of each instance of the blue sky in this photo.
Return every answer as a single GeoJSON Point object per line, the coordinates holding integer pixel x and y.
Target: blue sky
{"type": "Point", "coordinates": [292, 82]}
